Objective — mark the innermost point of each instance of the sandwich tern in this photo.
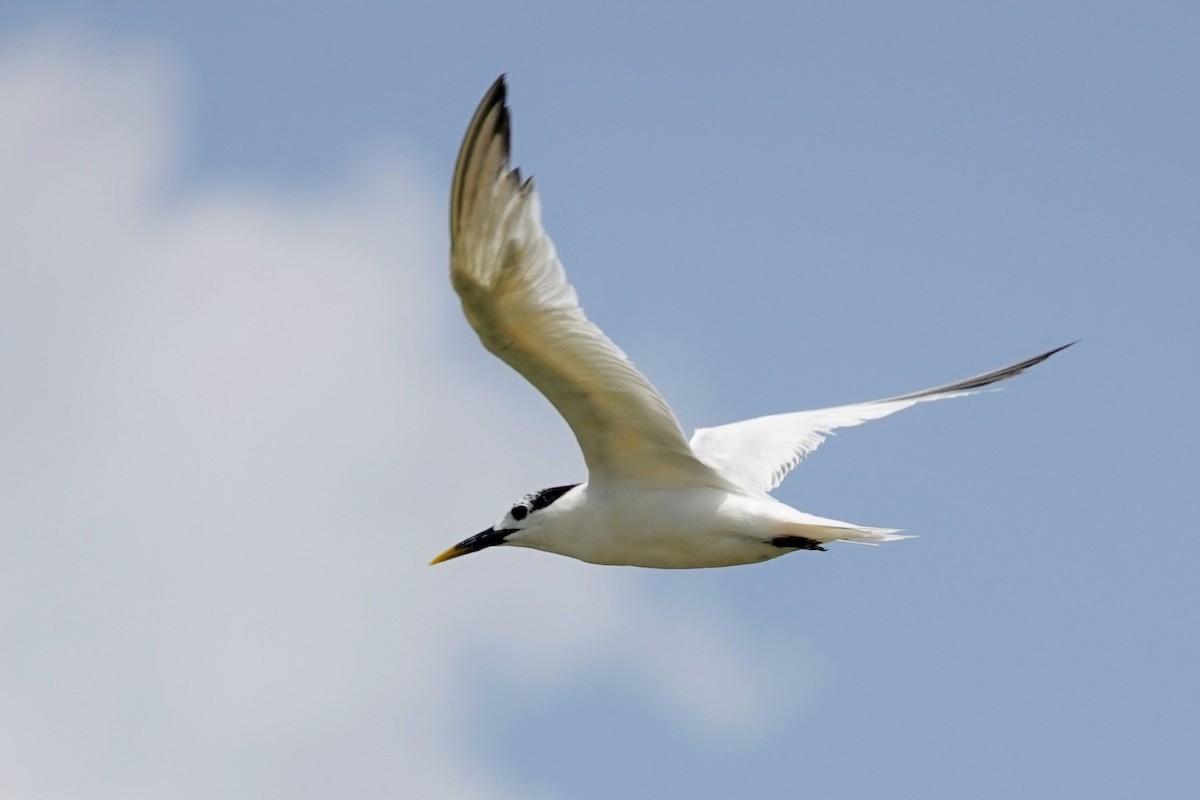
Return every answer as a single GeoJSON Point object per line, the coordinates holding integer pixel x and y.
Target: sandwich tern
{"type": "Point", "coordinates": [653, 498]}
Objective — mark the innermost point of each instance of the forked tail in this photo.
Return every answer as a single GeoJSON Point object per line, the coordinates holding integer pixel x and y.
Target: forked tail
{"type": "Point", "coordinates": [863, 535]}
{"type": "Point", "coordinates": [830, 530]}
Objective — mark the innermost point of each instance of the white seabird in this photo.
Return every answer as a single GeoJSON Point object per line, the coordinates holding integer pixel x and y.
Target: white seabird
{"type": "Point", "coordinates": [652, 499]}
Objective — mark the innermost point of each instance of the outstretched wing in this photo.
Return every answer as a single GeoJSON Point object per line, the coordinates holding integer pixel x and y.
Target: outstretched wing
{"type": "Point", "coordinates": [756, 454]}
{"type": "Point", "coordinates": [517, 298]}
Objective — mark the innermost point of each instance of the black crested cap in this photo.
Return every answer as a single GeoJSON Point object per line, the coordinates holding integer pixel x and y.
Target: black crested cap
{"type": "Point", "coordinates": [544, 497]}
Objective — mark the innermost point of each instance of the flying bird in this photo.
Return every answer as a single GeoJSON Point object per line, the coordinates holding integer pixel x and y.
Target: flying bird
{"type": "Point", "coordinates": [653, 498]}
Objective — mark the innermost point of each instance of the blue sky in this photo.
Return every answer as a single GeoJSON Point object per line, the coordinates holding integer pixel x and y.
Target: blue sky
{"type": "Point", "coordinates": [243, 410]}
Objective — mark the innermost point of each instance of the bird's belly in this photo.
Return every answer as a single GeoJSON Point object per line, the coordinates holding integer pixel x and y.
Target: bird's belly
{"type": "Point", "coordinates": [683, 552]}
{"type": "Point", "coordinates": [673, 537]}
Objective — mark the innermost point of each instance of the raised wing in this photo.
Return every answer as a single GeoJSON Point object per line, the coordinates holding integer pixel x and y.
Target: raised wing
{"type": "Point", "coordinates": [517, 298]}
{"type": "Point", "coordinates": [756, 454]}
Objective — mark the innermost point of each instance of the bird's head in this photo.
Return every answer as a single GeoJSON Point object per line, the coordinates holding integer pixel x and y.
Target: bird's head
{"type": "Point", "coordinates": [519, 526]}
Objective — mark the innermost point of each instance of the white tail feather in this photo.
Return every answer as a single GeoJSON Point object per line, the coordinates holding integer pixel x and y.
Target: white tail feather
{"type": "Point", "coordinates": [824, 529]}
{"type": "Point", "coordinates": [871, 536]}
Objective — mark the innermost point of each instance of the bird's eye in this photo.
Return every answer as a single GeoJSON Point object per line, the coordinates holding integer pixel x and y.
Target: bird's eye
{"type": "Point", "coordinates": [519, 512]}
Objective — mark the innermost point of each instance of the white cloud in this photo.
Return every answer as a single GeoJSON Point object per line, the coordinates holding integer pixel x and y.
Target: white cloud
{"type": "Point", "coordinates": [235, 425]}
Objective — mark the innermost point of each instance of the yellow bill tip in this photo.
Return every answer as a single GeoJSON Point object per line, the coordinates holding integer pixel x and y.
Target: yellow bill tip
{"type": "Point", "coordinates": [453, 552]}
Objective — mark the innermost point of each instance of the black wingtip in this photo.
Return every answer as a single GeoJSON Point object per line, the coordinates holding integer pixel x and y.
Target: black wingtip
{"type": "Point", "coordinates": [490, 122]}
{"type": "Point", "coordinates": [1060, 348]}
{"type": "Point", "coordinates": [497, 93]}
{"type": "Point", "coordinates": [986, 379]}
{"type": "Point", "coordinates": [497, 97]}
{"type": "Point", "coordinates": [1040, 358]}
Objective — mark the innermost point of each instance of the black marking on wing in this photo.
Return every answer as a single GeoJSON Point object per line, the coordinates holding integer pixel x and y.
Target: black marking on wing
{"type": "Point", "coordinates": [798, 542]}
{"type": "Point", "coordinates": [490, 122]}
{"type": "Point", "coordinates": [979, 381]}
{"type": "Point", "coordinates": [544, 497]}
